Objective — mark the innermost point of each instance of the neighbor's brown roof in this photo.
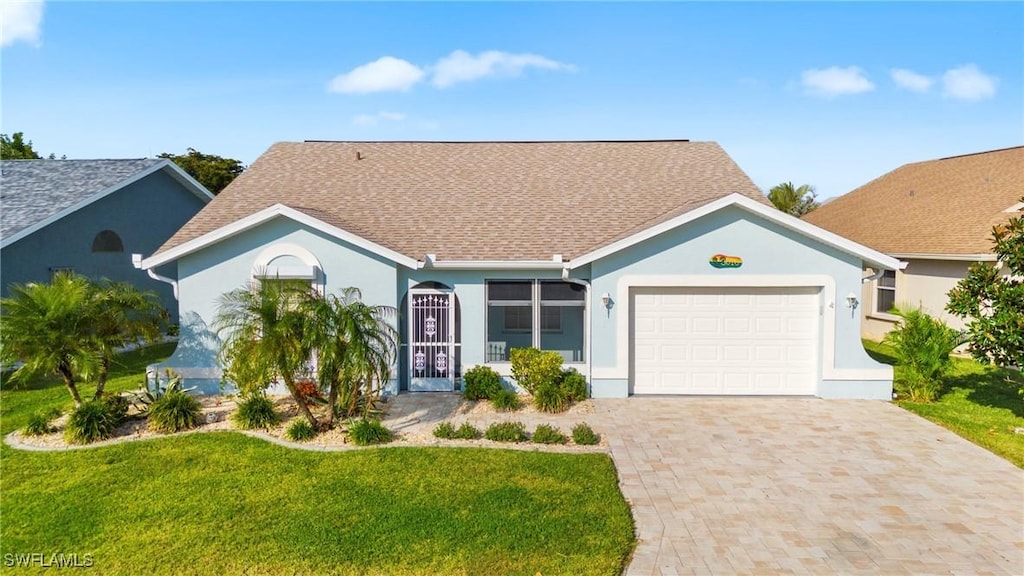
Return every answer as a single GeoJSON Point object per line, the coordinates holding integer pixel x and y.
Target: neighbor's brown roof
{"type": "Point", "coordinates": [481, 200]}
{"type": "Point", "coordinates": [945, 206]}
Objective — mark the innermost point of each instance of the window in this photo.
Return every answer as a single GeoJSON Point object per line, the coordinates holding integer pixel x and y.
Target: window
{"type": "Point", "coordinates": [546, 314]}
{"type": "Point", "coordinates": [107, 241]}
{"type": "Point", "coordinates": [885, 291]}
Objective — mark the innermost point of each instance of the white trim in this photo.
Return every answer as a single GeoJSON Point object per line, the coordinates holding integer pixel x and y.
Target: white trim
{"type": "Point", "coordinates": [176, 172]}
{"type": "Point", "coordinates": [254, 220]}
{"type": "Point", "coordinates": [869, 256]}
{"type": "Point", "coordinates": [829, 371]}
{"type": "Point", "coordinates": [1015, 208]}
{"type": "Point", "coordinates": [492, 264]}
{"type": "Point", "coordinates": [958, 257]}
{"type": "Point", "coordinates": [312, 270]}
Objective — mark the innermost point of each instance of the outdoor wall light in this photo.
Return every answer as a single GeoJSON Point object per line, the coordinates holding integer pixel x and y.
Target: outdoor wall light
{"type": "Point", "coordinates": [851, 301]}
{"type": "Point", "coordinates": [606, 301]}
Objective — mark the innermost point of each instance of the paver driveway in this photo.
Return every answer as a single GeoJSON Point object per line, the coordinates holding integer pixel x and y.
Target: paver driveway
{"type": "Point", "coordinates": [766, 485]}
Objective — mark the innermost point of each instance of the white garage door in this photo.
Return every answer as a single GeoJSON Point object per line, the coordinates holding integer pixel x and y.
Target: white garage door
{"type": "Point", "coordinates": [725, 340]}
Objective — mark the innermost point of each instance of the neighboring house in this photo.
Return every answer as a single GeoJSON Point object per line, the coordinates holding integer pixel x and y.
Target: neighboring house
{"type": "Point", "coordinates": [652, 267]}
{"type": "Point", "coordinates": [937, 216]}
{"type": "Point", "coordinates": [89, 216]}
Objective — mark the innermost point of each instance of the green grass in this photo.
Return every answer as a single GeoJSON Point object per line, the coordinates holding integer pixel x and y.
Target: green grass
{"type": "Point", "coordinates": [976, 402]}
{"type": "Point", "coordinates": [227, 503]}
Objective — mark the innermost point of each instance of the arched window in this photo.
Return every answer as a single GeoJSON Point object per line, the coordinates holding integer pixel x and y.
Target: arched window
{"type": "Point", "coordinates": [107, 241]}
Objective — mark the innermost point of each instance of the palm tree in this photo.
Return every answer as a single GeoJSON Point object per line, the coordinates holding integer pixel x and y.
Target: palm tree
{"type": "Point", "coordinates": [793, 200]}
{"type": "Point", "coordinates": [262, 329]}
{"type": "Point", "coordinates": [73, 327]}
{"type": "Point", "coordinates": [356, 346]}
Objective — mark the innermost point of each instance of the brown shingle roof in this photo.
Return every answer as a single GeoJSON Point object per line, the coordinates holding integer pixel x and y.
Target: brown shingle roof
{"type": "Point", "coordinates": [945, 206]}
{"type": "Point", "coordinates": [481, 200]}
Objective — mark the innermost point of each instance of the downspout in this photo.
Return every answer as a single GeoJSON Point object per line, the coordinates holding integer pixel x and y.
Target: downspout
{"type": "Point", "coordinates": [589, 314]}
{"type": "Point", "coordinates": [873, 277]}
{"type": "Point", "coordinates": [137, 262]}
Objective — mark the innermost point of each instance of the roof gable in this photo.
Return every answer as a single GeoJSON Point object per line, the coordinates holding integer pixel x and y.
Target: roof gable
{"type": "Point", "coordinates": [36, 193]}
{"type": "Point", "coordinates": [939, 207]}
{"type": "Point", "coordinates": [487, 201]}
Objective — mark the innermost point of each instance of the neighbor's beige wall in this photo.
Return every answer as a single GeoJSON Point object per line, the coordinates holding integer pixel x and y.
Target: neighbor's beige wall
{"type": "Point", "coordinates": [923, 283]}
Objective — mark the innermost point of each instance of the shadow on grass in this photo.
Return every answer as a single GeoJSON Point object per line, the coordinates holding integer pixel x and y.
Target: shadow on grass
{"type": "Point", "coordinates": [994, 387]}
{"type": "Point", "coordinates": [126, 364]}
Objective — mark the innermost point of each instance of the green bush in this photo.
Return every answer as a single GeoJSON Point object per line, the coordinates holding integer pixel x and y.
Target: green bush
{"type": "Point", "coordinates": [480, 383]}
{"type": "Point", "coordinates": [89, 422]}
{"type": "Point", "coordinates": [584, 435]}
{"type": "Point", "coordinates": [445, 431]}
{"type": "Point", "coordinates": [175, 412]}
{"type": "Point", "coordinates": [545, 434]}
{"type": "Point", "coordinates": [467, 432]}
{"type": "Point", "coordinates": [922, 346]}
{"type": "Point", "coordinates": [505, 401]}
{"type": "Point", "coordinates": [551, 398]}
{"type": "Point", "coordinates": [506, 432]}
{"type": "Point", "coordinates": [300, 430]}
{"type": "Point", "coordinates": [256, 411]}
{"type": "Point", "coordinates": [117, 407]}
{"type": "Point", "coordinates": [39, 422]}
{"type": "Point", "coordinates": [533, 368]}
{"type": "Point", "coordinates": [574, 385]}
{"type": "Point", "coordinates": [365, 432]}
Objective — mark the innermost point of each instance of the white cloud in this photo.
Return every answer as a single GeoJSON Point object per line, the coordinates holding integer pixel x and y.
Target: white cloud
{"type": "Point", "coordinates": [910, 80]}
{"type": "Point", "coordinates": [386, 74]}
{"type": "Point", "coordinates": [461, 66]}
{"type": "Point", "coordinates": [968, 82]}
{"type": "Point", "coordinates": [374, 119]}
{"type": "Point", "coordinates": [835, 81]}
{"type": "Point", "coordinates": [20, 20]}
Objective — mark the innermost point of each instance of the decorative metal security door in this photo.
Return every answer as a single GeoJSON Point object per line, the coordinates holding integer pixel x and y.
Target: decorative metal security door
{"type": "Point", "coordinates": [431, 341]}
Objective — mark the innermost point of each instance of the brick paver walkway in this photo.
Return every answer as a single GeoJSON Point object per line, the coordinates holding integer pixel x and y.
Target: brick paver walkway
{"type": "Point", "coordinates": [793, 485]}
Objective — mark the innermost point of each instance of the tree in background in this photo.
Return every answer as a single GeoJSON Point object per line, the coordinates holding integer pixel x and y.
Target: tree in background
{"type": "Point", "coordinates": [14, 147]}
{"type": "Point", "coordinates": [992, 297]}
{"type": "Point", "coordinates": [213, 172]}
{"type": "Point", "coordinates": [793, 200]}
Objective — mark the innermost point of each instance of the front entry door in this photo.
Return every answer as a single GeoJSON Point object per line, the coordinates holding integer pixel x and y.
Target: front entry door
{"type": "Point", "coordinates": [431, 341]}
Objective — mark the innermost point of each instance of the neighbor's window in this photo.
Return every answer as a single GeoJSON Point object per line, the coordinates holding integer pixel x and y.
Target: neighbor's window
{"type": "Point", "coordinates": [885, 291]}
{"type": "Point", "coordinates": [549, 315]}
{"type": "Point", "coordinates": [107, 241]}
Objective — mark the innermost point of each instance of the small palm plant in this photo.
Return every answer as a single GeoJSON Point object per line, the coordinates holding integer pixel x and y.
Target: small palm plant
{"type": "Point", "coordinates": [922, 345]}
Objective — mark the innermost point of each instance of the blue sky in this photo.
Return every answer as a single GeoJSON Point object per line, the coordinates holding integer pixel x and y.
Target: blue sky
{"type": "Point", "coordinates": [829, 94]}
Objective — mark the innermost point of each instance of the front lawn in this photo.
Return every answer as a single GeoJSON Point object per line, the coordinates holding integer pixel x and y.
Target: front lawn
{"type": "Point", "coordinates": [226, 503]}
{"type": "Point", "coordinates": [976, 402]}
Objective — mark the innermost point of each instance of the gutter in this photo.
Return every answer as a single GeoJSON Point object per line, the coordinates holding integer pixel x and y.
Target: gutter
{"type": "Point", "coordinates": [589, 315]}
{"type": "Point", "coordinates": [431, 261]}
{"type": "Point", "coordinates": [137, 262]}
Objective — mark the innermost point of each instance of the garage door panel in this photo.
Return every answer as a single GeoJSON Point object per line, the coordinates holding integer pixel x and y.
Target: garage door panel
{"type": "Point", "coordinates": [725, 341]}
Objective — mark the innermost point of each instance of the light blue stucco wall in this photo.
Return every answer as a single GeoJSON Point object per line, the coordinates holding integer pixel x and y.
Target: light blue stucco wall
{"type": "Point", "coordinates": [207, 274]}
{"type": "Point", "coordinates": [144, 214]}
{"type": "Point", "coordinates": [766, 249]}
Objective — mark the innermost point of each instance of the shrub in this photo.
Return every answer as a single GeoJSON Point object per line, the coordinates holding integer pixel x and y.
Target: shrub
{"type": "Point", "coordinates": [467, 432]}
{"type": "Point", "coordinates": [922, 346]}
{"type": "Point", "coordinates": [551, 398]}
{"type": "Point", "coordinates": [574, 385]}
{"type": "Point", "coordinates": [506, 432]}
{"type": "Point", "coordinates": [545, 434]}
{"type": "Point", "coordinates": [256, 411]}
{"type": "Point", "coordinates": [144, 397]}
{"type": "Point", "coordinates": [445, 431]}
{"type": "Point", "coordinates": [505, 401]}
{"type": "Point", "coordinates": [300, 430]}
{"type": "Point", "coordinates": [175, 412]}
{"type": "Point", "coordinates": [117, 407]}
{"type": "Point", "coordinates": [533, 368]}
{"type": "Point", "coordinates": [584, 435]}
{"type": "Point", "coordinates": [89, 422]}
{"type": "Point", "coordinates": [39, 422]}
{"type": "Point", "coordinates": [364, 432]}
{"type": "Point", "coordinates": [480, 383]}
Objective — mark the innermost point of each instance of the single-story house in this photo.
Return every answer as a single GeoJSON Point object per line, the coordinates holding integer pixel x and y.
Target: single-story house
{"type": "Point", "coordinates": [653, 267]}
{"type": "Point", "coordinates": [89, 216]}
{"type": "Point", "coordinates": [937, 216]}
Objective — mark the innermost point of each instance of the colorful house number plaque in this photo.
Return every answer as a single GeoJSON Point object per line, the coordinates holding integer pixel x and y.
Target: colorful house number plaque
{"type": "Point", "coordinates": [723, 261]}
